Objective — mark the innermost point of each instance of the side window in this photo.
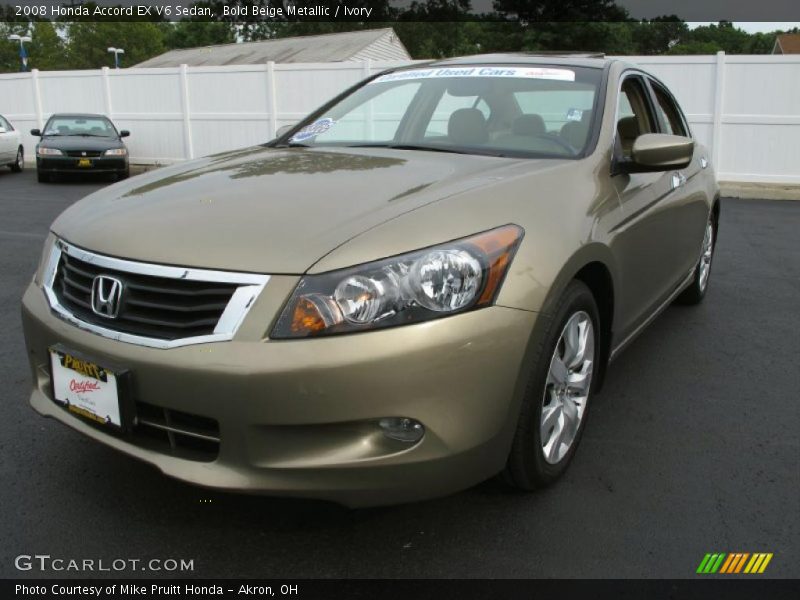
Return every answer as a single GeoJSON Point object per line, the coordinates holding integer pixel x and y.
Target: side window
{"type": "Point", "coordinates": [634, 116]}
{"type": "Point", "coordinates": [5, 125]}
{"type": "Point", "coordinates": [668, 112]}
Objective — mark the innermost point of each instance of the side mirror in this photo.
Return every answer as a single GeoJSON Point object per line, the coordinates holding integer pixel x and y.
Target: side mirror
{"type": "Point", "coordinates": [124, 133]}
{"type": "Point", "coordinates": [36, 132]}
{"type": "Point", "coordinates": [284, 130]}
{"type": "Point", "coordinates": [659, 152]}
{"type": "Point", "coordinates": [3, 129]}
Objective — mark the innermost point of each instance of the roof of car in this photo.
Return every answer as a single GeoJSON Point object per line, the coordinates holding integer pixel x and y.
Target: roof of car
{"type": "Point", "coordinates": [79, 115]}
{"type": "Point", "coordinates": [597, 61]}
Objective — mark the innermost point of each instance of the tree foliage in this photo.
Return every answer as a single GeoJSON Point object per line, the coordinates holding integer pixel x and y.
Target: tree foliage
{"type": "Point", "coordinates": [89, 42]}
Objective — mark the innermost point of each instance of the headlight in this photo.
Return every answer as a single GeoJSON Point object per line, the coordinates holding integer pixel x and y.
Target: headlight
{"type": "Point", "coordinates": [49, 152]}
{"type": "Point", "coordinates": [427, 284]}
{"type": "Point", "coordinates": [116, 152]}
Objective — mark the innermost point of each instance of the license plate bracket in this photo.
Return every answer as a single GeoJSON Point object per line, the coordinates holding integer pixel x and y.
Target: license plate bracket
{"type": "Point", "coordinates": [98, 392]}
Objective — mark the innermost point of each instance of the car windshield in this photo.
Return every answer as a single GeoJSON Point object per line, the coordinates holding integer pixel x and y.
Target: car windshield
{"type": "Point", "coordinates": [87, 126]}
{"type": "Point", "coordinates": [521, 111]}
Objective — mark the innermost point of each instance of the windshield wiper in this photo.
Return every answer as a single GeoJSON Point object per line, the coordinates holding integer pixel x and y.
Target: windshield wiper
{"type": "Point", "coordinates": [411, 147]}
{"type": "Point", "coordinates": [471, 151]}
{"type": "Point", "coordinates": [292, 145]}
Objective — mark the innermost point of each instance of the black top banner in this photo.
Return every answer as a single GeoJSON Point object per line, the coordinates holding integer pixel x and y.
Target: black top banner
{"type": "Point", "coordinates": [528, 11]}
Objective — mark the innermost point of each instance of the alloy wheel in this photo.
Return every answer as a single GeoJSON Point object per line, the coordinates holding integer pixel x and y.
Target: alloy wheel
{"type": "Point", "coordinates": [569, 381]}
{"type": "Point", "coordinates": [705, 259]}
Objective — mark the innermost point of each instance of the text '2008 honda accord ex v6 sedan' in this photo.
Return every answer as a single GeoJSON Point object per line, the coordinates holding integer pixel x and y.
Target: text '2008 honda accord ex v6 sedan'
{"type": "Point", "coordinates": [417, 287]}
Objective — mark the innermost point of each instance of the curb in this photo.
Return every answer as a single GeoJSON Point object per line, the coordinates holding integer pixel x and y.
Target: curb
{"type": "Point", "coordinates": [759, 191]}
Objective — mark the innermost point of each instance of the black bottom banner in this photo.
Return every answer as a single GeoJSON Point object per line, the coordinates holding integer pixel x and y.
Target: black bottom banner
{"type": "Point", "coordinates": [414, 589]}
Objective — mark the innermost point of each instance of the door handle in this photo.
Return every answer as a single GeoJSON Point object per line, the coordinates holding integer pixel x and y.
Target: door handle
{"type": "Point", "coordinates": [677, 180]}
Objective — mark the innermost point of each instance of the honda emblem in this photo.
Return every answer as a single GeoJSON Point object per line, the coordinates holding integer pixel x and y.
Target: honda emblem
{"type": "Point", "coordinates": [106, 296]}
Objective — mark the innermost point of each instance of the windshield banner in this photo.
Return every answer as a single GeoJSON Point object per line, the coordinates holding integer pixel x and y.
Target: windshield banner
{"type": "Point", "coordinates": [527, 72]}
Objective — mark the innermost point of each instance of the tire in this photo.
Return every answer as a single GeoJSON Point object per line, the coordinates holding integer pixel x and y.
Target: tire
{"type": "Point", "coordinates": [19, 163]}
{"type": "Point", "coordinates": [697, 289]}
{"type": "Point", "coordinates": [532, 464]}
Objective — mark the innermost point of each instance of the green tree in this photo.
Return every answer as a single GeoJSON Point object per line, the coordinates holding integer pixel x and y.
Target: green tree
{"type": "Point", "coordinates": [545, 11]}
{"type": "Point", "coordinates": [599, 36]}
{"type": "Point", "coordinates": [695, 47]}
{"type": "Point", "coordinates": [439, 28]}
{"type": "Point", "coordinates": [89, 42]}
{"type": "Point", "coordinates": [724, 36]}
{"type": "Point", "coordinates": [47, 49]}
{"type": "Point", "coordinates": [658, 35]}
{"type": "Point", "coordinates": [191, 34]}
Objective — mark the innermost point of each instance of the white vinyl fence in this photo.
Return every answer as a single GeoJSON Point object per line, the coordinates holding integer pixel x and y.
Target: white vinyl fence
{"type": "Point", "coordinates": [746, 108]}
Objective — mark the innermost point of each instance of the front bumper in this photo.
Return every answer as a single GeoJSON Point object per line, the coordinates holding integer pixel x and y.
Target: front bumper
{"type": "Point", "coordinates": [69, 164]}
{"type": "Point", "coordinates": [299, 418]}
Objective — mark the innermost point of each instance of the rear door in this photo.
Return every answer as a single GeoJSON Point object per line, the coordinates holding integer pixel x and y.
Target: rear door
{"type": "Point", "coordinates": [647, 243]}
{"type": "Point", "coordinates": [691, 204]}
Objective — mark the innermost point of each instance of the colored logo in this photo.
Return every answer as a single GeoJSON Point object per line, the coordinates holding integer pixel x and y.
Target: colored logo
{"type": "Point", "coordinates": [734, 563]}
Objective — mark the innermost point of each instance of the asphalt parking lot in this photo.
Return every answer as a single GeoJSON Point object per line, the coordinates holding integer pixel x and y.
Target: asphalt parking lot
{"type": "Point", "coordinates": [691, 448]}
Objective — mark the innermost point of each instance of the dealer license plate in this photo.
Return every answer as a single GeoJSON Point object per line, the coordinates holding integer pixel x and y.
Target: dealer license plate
{"type": "Point", "coordinates": [85, 388]}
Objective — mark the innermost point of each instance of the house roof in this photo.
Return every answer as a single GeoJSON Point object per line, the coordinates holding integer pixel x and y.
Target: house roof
{"type": "Point", "coordinates": [330, 47]}
{"type": "Point", "coordinates": [789, 43]}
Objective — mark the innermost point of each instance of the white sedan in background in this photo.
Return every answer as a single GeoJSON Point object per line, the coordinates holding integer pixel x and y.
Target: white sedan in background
{"type": "Point", "coordinates": [11, 151]}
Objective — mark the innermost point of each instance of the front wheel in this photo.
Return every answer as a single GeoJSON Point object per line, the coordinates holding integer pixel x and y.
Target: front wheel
{"type": "Point", "coordinates": [555, 407]}
{"type": "Point", "coordinates": [19, 163]}
{"type": "Point", "coordinates": [696, 291]}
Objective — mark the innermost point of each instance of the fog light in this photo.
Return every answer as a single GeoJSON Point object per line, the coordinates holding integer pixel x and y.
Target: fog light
{"type": "Point", "coordinates": [402, 429]}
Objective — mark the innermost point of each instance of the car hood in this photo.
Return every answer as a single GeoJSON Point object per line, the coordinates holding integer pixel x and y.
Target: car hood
{"type": "Point", "coordinates": [269, 210]}
{"type": "Point", "coordinates": [79, 142]}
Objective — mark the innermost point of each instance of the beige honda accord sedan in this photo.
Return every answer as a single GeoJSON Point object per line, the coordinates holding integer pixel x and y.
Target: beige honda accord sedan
{"type": "Point", "coordinates": [416, 288]}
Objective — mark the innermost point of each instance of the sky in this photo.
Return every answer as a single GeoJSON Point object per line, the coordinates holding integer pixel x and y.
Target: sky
{"type": "Point", "coordinates": [738, 11]}
{"type": "Point", "coordinates": [755, 27]}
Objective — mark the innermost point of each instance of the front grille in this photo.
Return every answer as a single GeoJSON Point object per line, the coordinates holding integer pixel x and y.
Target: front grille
{"type": "Point", "coordinates": [83, 153]}
{"type": "Point", "coordinates": [150, 306]}
{"type": "Point", "coordinates": [175, 432]}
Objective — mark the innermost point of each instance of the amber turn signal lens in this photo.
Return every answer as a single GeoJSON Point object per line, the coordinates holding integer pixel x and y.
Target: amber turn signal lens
{"type": "Point", "coordinates": [498, 246]}
{"type": "Point", "coordinates": [306, 317]}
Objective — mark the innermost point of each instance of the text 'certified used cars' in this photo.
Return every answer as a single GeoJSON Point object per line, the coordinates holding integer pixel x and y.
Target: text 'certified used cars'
{"type": "Point", "coordinates": [416, 288]}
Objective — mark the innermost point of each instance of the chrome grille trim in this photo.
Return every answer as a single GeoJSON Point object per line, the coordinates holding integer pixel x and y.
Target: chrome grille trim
{"type": "Point", "coordinates": [249, 287]}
